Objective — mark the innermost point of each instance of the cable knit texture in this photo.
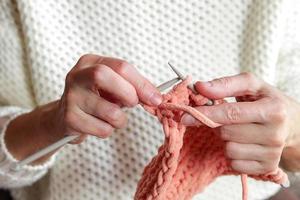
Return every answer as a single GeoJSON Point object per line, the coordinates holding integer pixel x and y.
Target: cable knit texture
{"type": "Point", "coordinates": [42, 40]}
{"type": "Point", "coordinates": [190, 158]}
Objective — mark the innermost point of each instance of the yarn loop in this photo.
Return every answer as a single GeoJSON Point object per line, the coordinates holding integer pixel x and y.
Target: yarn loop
{"type": "Point", "coordinates": [191, 157]}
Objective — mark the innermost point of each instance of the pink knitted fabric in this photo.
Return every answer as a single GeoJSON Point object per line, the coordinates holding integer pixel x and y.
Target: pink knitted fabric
{"type": "Point", "coordinates": [191, 157]}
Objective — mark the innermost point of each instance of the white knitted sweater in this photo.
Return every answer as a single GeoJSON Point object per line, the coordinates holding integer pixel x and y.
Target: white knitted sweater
{"type": "Point", "coordinates": [40, 41]}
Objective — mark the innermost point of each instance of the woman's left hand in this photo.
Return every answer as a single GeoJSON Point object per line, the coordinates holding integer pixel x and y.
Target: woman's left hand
{"type": "Point", "coordinates": [257, 127]}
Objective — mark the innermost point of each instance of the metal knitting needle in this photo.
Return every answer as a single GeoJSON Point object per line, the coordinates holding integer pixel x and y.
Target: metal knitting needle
{"type": "Point", "coordinates": [69, 138]}
{"type": "Point", "coordinates": [44, 151]}
{"type": "Point", "coordinates": [191, 86]}
{"type": "Point", "coordinates": [209, 103]}
{"type": "Point", "coordinates": [168, 84]}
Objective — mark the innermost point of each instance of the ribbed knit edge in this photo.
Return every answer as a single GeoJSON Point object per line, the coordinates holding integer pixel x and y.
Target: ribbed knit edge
{"type": "Point", "coordinates": [25, 174]}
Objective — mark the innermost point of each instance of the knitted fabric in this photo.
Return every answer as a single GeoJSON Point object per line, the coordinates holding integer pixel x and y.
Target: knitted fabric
{"type": "Point", "coordinates": [191, 157]}
{"type": "Point", "coordinates": [42, 40]}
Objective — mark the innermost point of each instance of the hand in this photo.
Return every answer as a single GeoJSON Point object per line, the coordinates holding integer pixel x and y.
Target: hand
{"type": "Point", "coordinates": [257, 127]}
{"type": "Point", "coordinates": [96, 89]}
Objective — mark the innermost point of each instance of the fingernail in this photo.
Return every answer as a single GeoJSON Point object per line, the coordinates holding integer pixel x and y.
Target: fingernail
{"type": "Point", "coordinates": [156, 99]}
{"type": "Point", "coordinates": [188, 120]}
{"type": "Point", "coordinates": [208, 83]}
{"type": "Point", "coordinates": [286, 184]}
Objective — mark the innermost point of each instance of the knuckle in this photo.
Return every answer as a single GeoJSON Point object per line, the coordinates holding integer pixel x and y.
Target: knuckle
{"type": "Point", "coordinates": [114, 113]}
{"type": "Point", "coordinates": [276, 139]}
{"type": "Point", "coordinates": [133, 101]}
{"type": "Point", "coordinates": [273, 154]}
{"type": "Point", "coordinates": [132, 97]}
{"type": "Point", "coordinates": [236, 165]}
{"type": "Point", "coordinates": [106, 131]}
{"type": "Point", "coordinates": [85, 57]}
{"type": "Point", "coordinates": [100, 73]}
{"type": "Point", "coordinates": [123, 68]}
{"type": "Point", "coordinates": [121, 122]}
{"type": "Point", "coordinates": [279, 113]}
{"type": "Point", "coordinates": [224, 81]}
{"type": "Point", "coordinates": [252, 81]}
{"type": "Point", "coordinates": [249, 77]}
{"type": "Point", "coordinates": [268, 168]}
{"type": "Point", "coordinates": [225, 133]}
{"type": "Point", "coordinates": [230, 150]}
{"type": "Point", "coordinates": [69, 78]}
{"type": "Point", "coordinates": [232, 112]}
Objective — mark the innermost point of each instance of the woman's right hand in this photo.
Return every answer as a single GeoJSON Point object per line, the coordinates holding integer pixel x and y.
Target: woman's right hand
{"type": "Point", "coordinates": [95, 91]}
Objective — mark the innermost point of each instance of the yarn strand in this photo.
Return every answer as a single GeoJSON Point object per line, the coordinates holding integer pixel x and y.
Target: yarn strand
{"type": "Point", "coordinates": [191, 157]}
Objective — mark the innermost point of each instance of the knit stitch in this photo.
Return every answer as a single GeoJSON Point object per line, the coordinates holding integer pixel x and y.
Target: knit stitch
{"type": "Point", "coordinates": [42, 40]}
{"type": "Point", "coordinates": [191, 157]}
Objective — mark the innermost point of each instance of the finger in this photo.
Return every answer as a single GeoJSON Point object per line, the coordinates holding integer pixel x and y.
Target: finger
{"type": "Point", "coordinates": [88, 60]}
{"type": "Point", "coordinates": [104, 78]}
{"type": "Point", "coordinates": [246, 133]}
{"type": "Point", "coordinates": [80, 139]}
{"type": "Point", "coordinates": [256, 152]}
{"type": "Point", "coordinates": [250, 167]}
{"type": "Point", "coordinates": [103, 109]}
{"type": "Point", "coordinates": [87, 124]}
{"type": "Point", "coordinates": [231, 86]}
{"type": "Point", "coordinates": [231, 113]}
{"type": "Point", "coordinates": [146, 91]}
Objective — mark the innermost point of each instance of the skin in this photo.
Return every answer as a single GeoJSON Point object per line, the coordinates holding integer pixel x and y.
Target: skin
{"type": "Point", "coordinates": [261, 129]}
{"type": "Point", "coordinates": [96, 89]}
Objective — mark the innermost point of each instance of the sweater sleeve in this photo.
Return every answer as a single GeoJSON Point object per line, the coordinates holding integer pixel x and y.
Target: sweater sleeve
{"type": "Point", "coordinates": [288, 63]}
{"type": "Point", "coordinates": [10, 178]}
{"type": "Point", "coordinates": [288, 71]}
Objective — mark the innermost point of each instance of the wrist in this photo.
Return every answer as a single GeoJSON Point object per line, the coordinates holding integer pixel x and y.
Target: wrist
{"type": "Point", "coordinates": [32, 131]}
{"type": "Point", "coordinates": [48, 122]}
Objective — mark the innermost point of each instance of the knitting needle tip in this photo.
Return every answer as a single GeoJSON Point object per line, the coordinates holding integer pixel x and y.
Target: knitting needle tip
{"type": "Point", "coordinates": [181, 76]}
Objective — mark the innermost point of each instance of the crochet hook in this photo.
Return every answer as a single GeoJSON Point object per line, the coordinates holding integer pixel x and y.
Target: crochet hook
{"type": "Point", "coordinates": [69, 138]}
{"type": "Point", "coordinates": [182, 77]}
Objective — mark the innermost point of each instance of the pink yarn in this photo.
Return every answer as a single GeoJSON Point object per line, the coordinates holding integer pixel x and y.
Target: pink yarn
{"type": "Point", "coordinates": [191, 157]}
